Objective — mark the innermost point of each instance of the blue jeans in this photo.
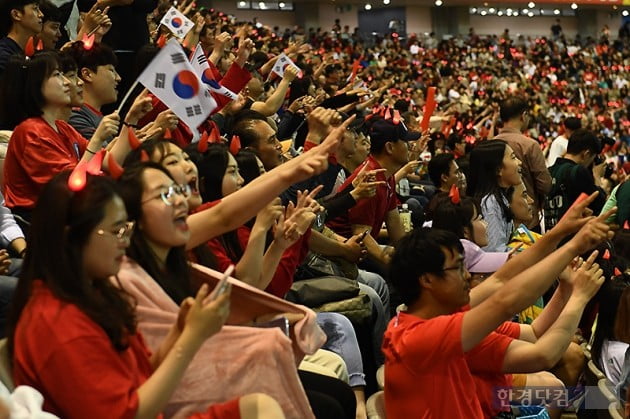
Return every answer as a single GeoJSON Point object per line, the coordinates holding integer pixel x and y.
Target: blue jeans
{"type": "Point", "coordinates": [343, 341]}
{"type": "Point", "coordinates": [376, 288]}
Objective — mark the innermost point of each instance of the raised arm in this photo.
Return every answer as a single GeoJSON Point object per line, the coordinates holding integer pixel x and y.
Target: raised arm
{"type": "Point", "coordinates": [523, 290]}
{"type": "Point", "coordinates": [237, 208]}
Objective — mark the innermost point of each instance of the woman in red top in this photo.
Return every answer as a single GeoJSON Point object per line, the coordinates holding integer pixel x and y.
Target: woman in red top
{"type": "Point", "coordinates": [99, 366]}
{"type": "Point", "coordinates": [43, 143]}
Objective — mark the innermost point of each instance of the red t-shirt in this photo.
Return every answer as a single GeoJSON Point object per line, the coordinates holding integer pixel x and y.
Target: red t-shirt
{"type": "Point", "coordinates": [67, 357]}
{"type": "Point", "coordinates": [70, 360]}
{"type": "Point", "coordinates": [37, 153]}
{"type": "Point", "coordinates": [283, 277]}
{"type": "Point", "coordinates": [489, 377]}
{"type": "Point", "coordinates": [369, 212]}
{"type": "Point", "coordinates": [426, 374]}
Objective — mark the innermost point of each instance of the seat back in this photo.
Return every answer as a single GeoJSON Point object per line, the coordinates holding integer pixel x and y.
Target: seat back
{"type": "Point", "coordinates": [5, 366]}
{"type": "Point", "coordinates": [375, 406]}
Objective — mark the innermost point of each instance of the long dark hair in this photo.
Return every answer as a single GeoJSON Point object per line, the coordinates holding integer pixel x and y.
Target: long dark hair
{"type": "Point", "coordinates": [608, 297]}
{"type": "Point", "coordinates": [175, 278]}
{"type": "Point", "coordinates": [455, 218]}
{"type": "Point", "coordinates": [247, 165]}
{"type": "Point", "coordinates": [21, 86]}
{"type": "Point", "coordinates": [67, 219]}
{"type": "Point", "coordinates": [486, 161]}
{"type": "Point", "coordinates": [212, 166]}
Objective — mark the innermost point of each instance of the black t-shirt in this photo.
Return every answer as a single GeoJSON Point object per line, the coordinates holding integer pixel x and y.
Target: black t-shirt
{"type": "Point", "coordinates": [8, 48]}
{"type": "Point", "coordinates": [580, 180]}
{"type": "Point", "coordinates": [556, 29]}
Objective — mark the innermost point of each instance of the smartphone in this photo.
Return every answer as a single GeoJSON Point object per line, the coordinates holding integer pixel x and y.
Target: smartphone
{"type": "Point", "coordinates": [223, 285]}
{"type": "Point", "coordinates": [364, 235]}
{"type": "Point", "coordinates": [282, 323]}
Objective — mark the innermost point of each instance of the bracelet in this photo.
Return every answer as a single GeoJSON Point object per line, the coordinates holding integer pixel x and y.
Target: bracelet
{"type": "Point", "coordinates": [127, 124]}
{"type": "Point", "coordinates": [89, 151]}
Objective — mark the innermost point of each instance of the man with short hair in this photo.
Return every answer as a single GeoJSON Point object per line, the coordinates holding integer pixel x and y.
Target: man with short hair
{"type": "Point", "coordinates": [19, 20]}
{"type": "Point", "coordinates": [572, 176]}
{"type": "Point", "coordinates": [444, 172]}
{"type": "Point", "coordinates": [52, 21]}
{"type": "Point", "coordinates": [97, 68]}
{"type": "Point", "coordinates": [389, 151]}
{"type": "Point", "coordinates": [559, 145]}
{"type": "Point", "coordinates": [446, 330]}
{"type": "Point", "coordinates": [514, 113]}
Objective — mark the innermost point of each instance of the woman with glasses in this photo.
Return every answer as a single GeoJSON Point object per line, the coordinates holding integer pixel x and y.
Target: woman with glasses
{"type": "Point", "coordinates": [74, 328]}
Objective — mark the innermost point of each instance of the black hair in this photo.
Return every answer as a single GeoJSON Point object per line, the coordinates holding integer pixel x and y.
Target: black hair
{"type": "Point", "coordinates": [438, 166]}
{"type": "Point", "coordinates": [453, 140]}
{"type": "Point", "coordinates": [572, 123]}
{"type": "Point", "coordinates": [455, 218]}
{"type": "Point", "coordinates": [608, 298]}
{"type": "Point", "coordinates": [486, 160]}
{"type": "Point", "coordinates": [68, 219]}
{"type": "Point", "coordinates": [67, 63]}
{"type": "Point", "coordinates": [512, 107]}
{"type": "Point", "coordinates": [51, 12]}
{"type": "Point", "coordinates": [243, 126]}
{"type": "Point", "coordinates": [6, 22]}
{"type": "Point", "coordinates": [212, 167]}
{"type": "Point", "coordinates": [21, 86]}
{"type": "Point", "coordinates": [419, 252]}
{"type": "Point", "coordinates": [175, 279]}
{"type": "Point", "coordinates": [583, 140]}
{"type": "Point", "coordinates": [247, 165]}
{"type": "Point", "coordinates": [97, 55]}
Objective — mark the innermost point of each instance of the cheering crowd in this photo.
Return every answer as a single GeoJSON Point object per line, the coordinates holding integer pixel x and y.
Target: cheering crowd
{"type": "Point", "coordinates": [450, 216]}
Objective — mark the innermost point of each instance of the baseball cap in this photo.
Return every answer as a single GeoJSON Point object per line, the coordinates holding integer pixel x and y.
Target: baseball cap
{"type": "Point", "coordinates": [478, 261]}
{"type": "Point", "coordinates": [383, 131]}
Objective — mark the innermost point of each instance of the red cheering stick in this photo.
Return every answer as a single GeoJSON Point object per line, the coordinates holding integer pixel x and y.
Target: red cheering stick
{"type": "Point", "coordinates": [579, 199]}
{"type": "Point", "coordinates": [167, 134]}
{"type": "Point", "coordinates": [429, 107]}
{"type": "Point", "coordinates": [144, 157]}
{"type": "Point", "coordinates": [606, 255]}
{"type": "Point", "coordinates": [40, 45]}
{"type": "Point", "coordinates": [626, 226]}
{"type": "Point", "coordinates": [617, 272]}
{"type": "Point", "coordinates": [388, 115]}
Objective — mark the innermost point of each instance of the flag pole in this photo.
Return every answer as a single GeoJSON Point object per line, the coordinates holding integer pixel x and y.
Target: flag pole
{"type": "Point", "coordinates": [131, 89]}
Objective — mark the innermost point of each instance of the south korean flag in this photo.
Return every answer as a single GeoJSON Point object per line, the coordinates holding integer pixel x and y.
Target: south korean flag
{"type": "Point", "coordinates": [177, 23]}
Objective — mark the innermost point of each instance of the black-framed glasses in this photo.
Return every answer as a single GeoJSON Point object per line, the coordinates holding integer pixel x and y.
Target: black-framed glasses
{"type": "Point", "coordinates": [461, 268]}
{"type": "Point", "coordinates": [123, 233]}
{"type": "Point", "coordinates": [168, 195]}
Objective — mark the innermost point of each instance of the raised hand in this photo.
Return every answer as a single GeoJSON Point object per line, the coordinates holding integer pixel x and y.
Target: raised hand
{"type": "Point", "coordinates": [315, 160]}
{"type": "Point", "coordinates": [108, 127]}
{"type": "Point", "coordinates": [139, 108]}
{"type": "Point", "coordinates": [205, 318]}
{"type": "Point", "coordinates": [594, 232]}
{"type": "Point", "coordinates": [587, 278]}
{"type": "Point", "coordinates": [268, 216]}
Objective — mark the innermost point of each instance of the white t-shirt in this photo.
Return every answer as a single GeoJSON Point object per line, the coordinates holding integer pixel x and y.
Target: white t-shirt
{"type": "Point", "coordinates": [557, 149]}
{"type": "Point", "coordinates": [612, 359]}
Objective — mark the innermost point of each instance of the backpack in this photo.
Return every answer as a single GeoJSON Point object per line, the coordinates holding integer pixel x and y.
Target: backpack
{"type": "Point", "coordinates": [557, 201]}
